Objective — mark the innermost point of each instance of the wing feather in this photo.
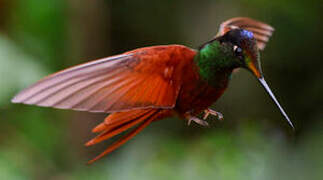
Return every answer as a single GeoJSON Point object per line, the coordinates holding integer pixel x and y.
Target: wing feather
{"type": "Point", "coordinates": [262, 31]}
{"type": "Point", "coordinates": [136, 79]}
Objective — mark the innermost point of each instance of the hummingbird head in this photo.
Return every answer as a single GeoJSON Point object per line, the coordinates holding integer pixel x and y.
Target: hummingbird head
{"type": "Point", "coordinates": [244, 50]}
{"type": "Point", "coordinates": [245, 53]}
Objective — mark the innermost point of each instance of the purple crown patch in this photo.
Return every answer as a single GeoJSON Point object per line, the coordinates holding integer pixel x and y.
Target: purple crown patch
{"type": "Point", "coordinates": [247, 34]}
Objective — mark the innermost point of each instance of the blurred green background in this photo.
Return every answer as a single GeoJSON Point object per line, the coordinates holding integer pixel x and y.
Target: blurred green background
{"type": "Point", "coordinates": [253, 142]}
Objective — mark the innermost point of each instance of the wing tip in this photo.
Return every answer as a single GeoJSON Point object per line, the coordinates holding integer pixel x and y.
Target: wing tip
{"type": "Point", "coordinates": [241, 18]}
{"type": "Point", "coordinates": [16, 100]}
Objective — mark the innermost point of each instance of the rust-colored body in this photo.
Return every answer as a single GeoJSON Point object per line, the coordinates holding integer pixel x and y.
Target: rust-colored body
{"type": "Point", "coordinates": [194, 94]}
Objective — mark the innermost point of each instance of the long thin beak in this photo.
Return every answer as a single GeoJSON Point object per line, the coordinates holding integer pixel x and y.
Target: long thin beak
{"type": "Point", "coordinates": [265, 85]}
{"type": "Point", "coordinates": [257, 72]}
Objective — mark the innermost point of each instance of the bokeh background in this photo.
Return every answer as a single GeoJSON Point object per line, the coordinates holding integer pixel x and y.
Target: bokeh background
{"type": "Point", "coordinates": [253, 142]}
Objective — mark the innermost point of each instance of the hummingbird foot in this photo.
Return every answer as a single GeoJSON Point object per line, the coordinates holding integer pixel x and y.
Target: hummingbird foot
{"type": "Point", "coordinates": [209, 111]}
{"type": "Point", "coordinates": [196, 120]}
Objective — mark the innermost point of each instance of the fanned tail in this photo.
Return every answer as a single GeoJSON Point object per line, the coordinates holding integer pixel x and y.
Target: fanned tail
{"type": "Point", "coordinates": [119, 122]}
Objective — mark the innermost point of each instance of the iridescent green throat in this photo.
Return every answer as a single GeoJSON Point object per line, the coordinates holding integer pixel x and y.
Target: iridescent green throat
{"type": "Point", "coordinates": [215, 63]}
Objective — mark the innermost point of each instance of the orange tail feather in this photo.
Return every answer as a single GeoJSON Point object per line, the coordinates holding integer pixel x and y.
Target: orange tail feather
{"type": "Point", "coordinates": [112, 130]}
{"type": "Point", "coordinates": [117, 119]}
{"type": "Point", "coordinates": [119, 122]}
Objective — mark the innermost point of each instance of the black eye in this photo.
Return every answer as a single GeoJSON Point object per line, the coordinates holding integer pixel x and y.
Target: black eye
{"type": "Point", "coordinates": [237, 51]}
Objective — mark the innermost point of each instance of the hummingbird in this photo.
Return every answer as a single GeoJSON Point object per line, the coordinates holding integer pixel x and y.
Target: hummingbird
{"type": "Point", "coordinates": [148, 84]}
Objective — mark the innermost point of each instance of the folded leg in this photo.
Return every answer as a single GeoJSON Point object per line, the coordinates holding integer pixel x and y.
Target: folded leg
{"type": "Point", "coordinates": [209, 111]}
{"type": "Point", "coordinates": [197, 120]}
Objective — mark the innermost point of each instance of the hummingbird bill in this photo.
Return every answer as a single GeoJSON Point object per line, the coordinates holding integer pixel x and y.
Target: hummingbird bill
{"type": "Point", "coordinates": [148, 84]}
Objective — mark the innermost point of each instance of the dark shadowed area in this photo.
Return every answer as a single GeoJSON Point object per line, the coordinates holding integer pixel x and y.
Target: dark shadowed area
{"type": "Point", "coordinates": [254, 141]}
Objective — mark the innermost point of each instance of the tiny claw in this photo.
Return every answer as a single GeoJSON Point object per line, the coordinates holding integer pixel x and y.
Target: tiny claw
{"type": "Point", "coordinates": [207, 113]}
{"type": "Point", "coordinates": [197, 120]}
{"type": "Point", "coordinates": [214, 113]}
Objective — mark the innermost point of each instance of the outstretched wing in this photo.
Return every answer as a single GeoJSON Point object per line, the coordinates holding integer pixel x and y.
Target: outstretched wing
{"type": "Point", "coordinates": [146, 77]}
{"type": "Point", "coordinates": [262, 32]}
